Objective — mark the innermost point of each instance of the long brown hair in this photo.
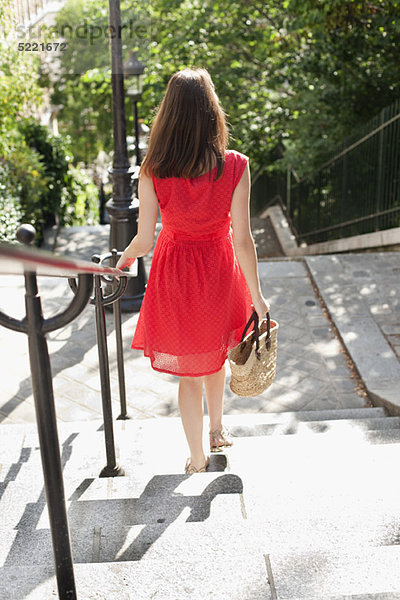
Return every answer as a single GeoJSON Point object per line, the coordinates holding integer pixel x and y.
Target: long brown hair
{"type": "Point", "coordinates": [189, 134]}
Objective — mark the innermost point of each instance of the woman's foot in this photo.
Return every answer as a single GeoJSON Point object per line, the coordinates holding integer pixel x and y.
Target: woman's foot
{"type": "Point", "coordinates": [219, 439]}
{"type": "Point", "coordinates": [190, 468]}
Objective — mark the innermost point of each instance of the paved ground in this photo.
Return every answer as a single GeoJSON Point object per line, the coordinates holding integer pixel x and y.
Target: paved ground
{"type": "Point", "coordinates": [370, 283]}
{"type": "Point", "coordinates": [313, 371]}
{"type": "Point", "coordinates": [362, 293]}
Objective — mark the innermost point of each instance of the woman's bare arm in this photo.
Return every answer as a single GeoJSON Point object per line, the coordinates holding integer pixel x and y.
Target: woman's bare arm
{"type": "Point", "coordinates": [143, 242]}
{"type": "Point", "coordinates": [243, 241]}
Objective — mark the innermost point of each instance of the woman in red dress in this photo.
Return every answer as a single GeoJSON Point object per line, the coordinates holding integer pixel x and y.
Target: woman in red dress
{"type": "Point", "coordinates": [203, 281]}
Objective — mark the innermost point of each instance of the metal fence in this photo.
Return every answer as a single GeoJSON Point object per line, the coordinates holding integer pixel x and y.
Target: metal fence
{"type": "Point", "coordinates": [357, 191]}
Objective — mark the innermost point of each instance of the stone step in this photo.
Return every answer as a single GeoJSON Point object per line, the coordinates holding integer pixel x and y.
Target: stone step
{"type": "Point", "coordinates": [265, 238]}
{"type": "Point", "coordinates": [188, 580]}
{"type": "Point", "coordinates": [245, 418]}
{"type": "Point", "coordinates": [388, 436]}
{"type": "Point", "coordinates": [15, 430]}
{"type": "Point", "coordinates": [84, 447]}
{"type": "Point", "coordinates": [14, 437]}
{"type": "Point", "coordinates": [354, 435]}
{"type": "Point", "coordinates": [383, 596]}
{"type": "Point", "coordinates": [186, 562]}
{"type": "Point", "coordinates": [344, 479]}
{"type": "Point", "coordinates": [328, 426]}
{"type": "Point", "coordinates": [235, 570]}
{"type": "Point", "coordinates": [137, 527]}
{"type": "Point", "coordinates": [307, 415]}
{"type": "Point", "coordinates": [363, 573]}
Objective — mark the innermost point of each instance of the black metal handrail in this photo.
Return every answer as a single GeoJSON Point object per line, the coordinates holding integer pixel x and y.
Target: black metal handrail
{"type": "Point", "coordinates": [360, 141]}
{"type": "Point", "coordinates": [31, 263]}
{"type": "Point", "coordinates": [344, 224]}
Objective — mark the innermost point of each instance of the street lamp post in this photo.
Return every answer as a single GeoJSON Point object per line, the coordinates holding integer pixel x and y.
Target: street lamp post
{"type": "Point", "coordinates": [134, 69]}
{"type": "Point", "coordinates": [123, 208]}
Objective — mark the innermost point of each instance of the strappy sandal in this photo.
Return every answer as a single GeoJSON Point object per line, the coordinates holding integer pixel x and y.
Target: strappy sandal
{"type": "Point", "coordinates": [220, 434]}
{"type": "Point", "coordinates": [190, 469]}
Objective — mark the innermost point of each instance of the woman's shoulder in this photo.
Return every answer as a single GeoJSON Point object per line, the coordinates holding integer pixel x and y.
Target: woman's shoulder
{"type": "Point", "coordinates": [236, 162]}
{"type": "Point", "coordinates": [236, 155]}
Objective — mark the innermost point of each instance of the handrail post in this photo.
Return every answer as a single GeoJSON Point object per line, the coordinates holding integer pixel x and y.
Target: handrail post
{"type": "Point", "coordinates": [344, 196]}
{"type": "Point", "coordinates": [111, 469]}
{"type": "Point", "coordinates": [380, 176]}
{"type": "Point", "coordinates": [48, 440]}
{"type": "Point", "coordinates": [288, 191]}
{"type": "Point", "coordinates": [319, 198]}
{"type": "Point", "coordinates": [120, 349]}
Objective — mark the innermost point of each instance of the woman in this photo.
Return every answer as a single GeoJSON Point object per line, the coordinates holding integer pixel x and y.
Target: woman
{"type": "Point", "coordinates": [203, 282]}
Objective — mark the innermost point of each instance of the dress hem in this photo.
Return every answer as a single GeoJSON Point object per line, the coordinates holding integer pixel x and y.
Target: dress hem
{"type": "Point", "coordinates": [174, 372]}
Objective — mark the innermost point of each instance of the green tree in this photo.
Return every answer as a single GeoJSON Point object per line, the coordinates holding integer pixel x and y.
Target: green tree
{"type": "Point", "coordinates": [304, 72]}
{"type": "Point", "coordinates": [348, 71]}
{"type": "Point", "coordinates": [83, 86]}
{"type": "Point", "coordinates": [299, 72]}
{"type": "Point", "coordinates": [86, 115]}
{"type": "Point", "coordinates": [37, 180]}
{"type": "Point", "coordinates": [20, 168]}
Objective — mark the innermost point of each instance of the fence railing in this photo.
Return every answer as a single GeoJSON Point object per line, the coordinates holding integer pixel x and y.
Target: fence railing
{"type": "Point", "coordinates": [83, 277]}
{"type": "Point", "coordinates": [355, 192]}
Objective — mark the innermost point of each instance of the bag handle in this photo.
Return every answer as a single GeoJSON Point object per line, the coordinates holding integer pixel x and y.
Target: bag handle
{"type": "Point", "coordinates": [268, 336]}
{"type": "Point", "coordinates": [256, 332]}
{"type": "Point", "coordinates": [253, 317]}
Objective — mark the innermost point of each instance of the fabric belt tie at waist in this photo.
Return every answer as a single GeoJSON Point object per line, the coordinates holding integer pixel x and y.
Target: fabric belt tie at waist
{"type": "Point", "coordinates": [181, 237]}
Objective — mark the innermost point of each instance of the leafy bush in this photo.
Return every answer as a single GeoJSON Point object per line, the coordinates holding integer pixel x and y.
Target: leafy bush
{"type": "Point", "coordinates": [28, 184]}
{"type": "Point", "coordinates": [80, 199]}
{"type": "Point", "coordinates": [38, 184]}
{"type": "Point", "coordinates": [10, 207]}
{"type": "Point", "coordinates": [52, 151]}
{"type": "Point", "coordinates": [41, 183]}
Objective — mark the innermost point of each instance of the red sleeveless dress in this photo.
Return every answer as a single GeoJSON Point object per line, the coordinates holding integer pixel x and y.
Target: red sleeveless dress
{"type": "Point", "coordinates": [197, 301]}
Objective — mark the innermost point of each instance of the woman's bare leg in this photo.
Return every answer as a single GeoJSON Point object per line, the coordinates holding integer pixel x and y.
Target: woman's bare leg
{"type": "Point", "coordinates": [215, 386]}
{"type": "Point", "coordinates": [190, 399]}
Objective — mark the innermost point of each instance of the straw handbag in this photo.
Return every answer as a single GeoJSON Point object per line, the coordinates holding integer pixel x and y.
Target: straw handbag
{"type": "Point", "coordinates": [253, 360]}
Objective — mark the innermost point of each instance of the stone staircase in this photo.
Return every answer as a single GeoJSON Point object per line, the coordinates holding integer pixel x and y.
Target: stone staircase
{"type": "Point", "coordinates": [265, 238]}
{"type": "Point", "coordinates": [304, 505]}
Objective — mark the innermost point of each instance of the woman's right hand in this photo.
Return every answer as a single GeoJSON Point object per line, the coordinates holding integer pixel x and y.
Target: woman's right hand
{"type": "Point", "coordinates": [125, 260]}
{"type": "Point", "coordinates": [261, 306]}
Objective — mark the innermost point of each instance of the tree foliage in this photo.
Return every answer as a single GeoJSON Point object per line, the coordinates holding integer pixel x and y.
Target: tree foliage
{"type": "Point", "coordinates": [42, 185]}
{"type": "Point", "coordinates": [292, 74]}
{"type": "Point", "coordinates": [301, 72]}
{"type": "Point", "coordinates": [37, 180]}
{"type": "Point", "coordinates": [20, 168]}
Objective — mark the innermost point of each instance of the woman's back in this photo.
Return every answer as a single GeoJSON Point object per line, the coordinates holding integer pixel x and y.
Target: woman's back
{"type": "Point", "coordinates": [199, 208]}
